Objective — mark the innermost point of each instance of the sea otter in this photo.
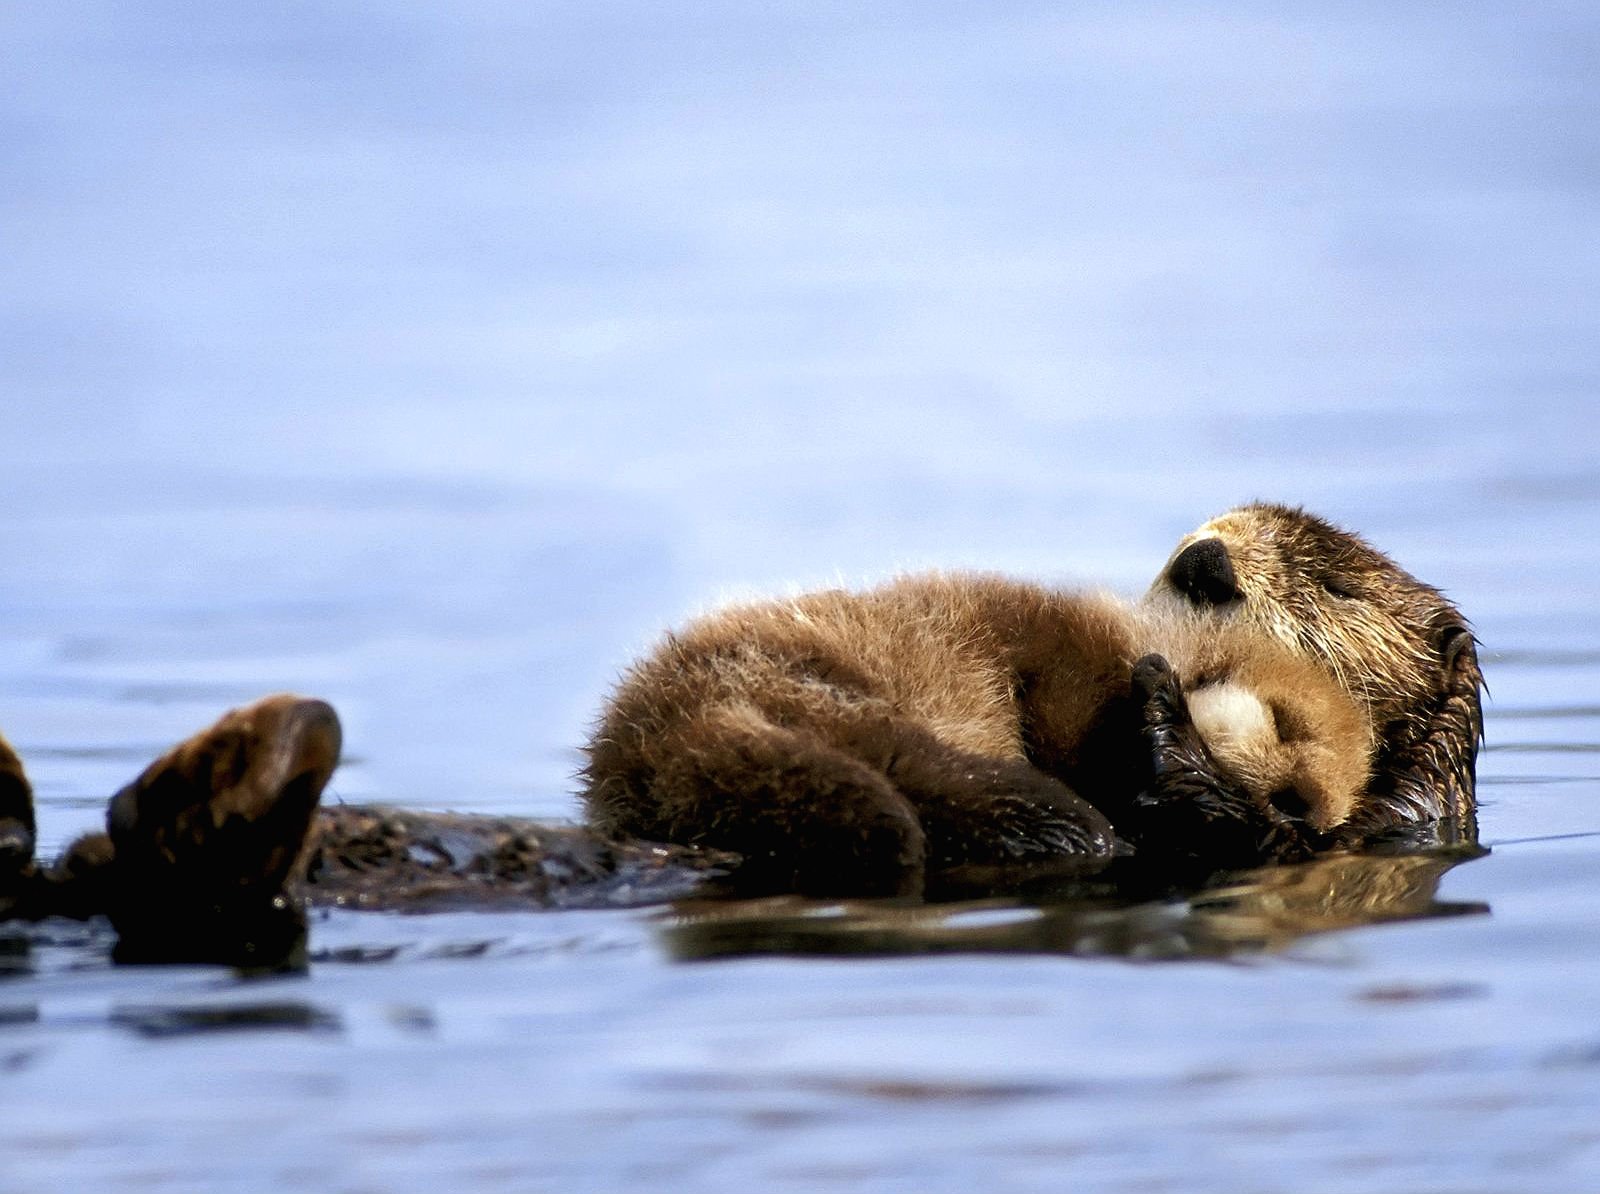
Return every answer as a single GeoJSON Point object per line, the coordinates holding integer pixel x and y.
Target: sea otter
{"type": "Point", "coordinates": [1326, 698]}
{"type": "Point", "coordinates": [1283, 688]}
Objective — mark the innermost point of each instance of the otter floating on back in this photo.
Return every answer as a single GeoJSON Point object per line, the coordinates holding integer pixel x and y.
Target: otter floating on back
{"type": "Point", "coordinates": [1283, 688]}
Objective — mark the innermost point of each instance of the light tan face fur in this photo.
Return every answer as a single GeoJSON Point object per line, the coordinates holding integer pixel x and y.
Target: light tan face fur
{"type": "Point", "coordinates": [1276, 722]}
{"type": "Point", "coordinates": [1329, 597]}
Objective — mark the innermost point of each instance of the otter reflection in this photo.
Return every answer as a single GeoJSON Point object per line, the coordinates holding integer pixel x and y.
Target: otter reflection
{"type": "Point", "coordinates": [1245, 913]}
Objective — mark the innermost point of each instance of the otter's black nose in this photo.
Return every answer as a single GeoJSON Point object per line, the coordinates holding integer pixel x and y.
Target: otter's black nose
{"type": "Point", "coordinates": [1204, 574]}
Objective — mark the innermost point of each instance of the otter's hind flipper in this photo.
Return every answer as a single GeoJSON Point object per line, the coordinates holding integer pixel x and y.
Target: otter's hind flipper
{"type": "Point", "coordinates": [199, 847]}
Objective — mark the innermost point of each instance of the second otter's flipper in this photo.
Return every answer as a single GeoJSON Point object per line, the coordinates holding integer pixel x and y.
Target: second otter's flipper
{"type": "Point", "coordinates": [1191, 809]}
{"type": "Point", "coordinates": [199, 847]}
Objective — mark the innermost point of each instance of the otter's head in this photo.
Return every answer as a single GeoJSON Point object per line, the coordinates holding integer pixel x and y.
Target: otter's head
{"type": "Point", "coordinates": [1396, 645]}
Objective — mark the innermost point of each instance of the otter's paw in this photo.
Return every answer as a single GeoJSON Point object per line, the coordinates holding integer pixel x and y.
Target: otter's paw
{"type": "Point", "coordinates": [1037, 826]}
{"type": "Point", "coordinates": [1157, 692]}
{"type": "Point", "coordinates": [1017, 824]}
{"type": "Point", "coordinates": [1190, 807]}
{"type": "Point", "coordinates": [1178, 755]}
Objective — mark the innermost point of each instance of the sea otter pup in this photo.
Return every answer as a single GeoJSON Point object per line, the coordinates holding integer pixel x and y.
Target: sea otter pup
{"type": "Point", "coordinates": [841, 742]}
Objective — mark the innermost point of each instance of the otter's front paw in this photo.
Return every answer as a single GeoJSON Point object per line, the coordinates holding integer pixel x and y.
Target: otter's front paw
{"type": "Point", "coordinates": [1189, 807]}
{"type": "Point", "coordinates": [1154, 681]}
{"type": "Point", "coordinates": [1176, 747]}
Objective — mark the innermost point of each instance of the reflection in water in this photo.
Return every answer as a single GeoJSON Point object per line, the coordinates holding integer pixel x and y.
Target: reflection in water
{"type": "Point", "coordinates": [228, 1017]}
{"type": "Point", "coordinates": [1244, 913]}
{"type": "Point", "coordinates": [16, 957]}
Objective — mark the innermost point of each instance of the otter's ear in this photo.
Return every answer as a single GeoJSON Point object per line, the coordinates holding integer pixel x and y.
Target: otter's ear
{"type": "Point", "coordinates": [1463, 678]}
{"type": "Point", "coordinates": [1458, 653]}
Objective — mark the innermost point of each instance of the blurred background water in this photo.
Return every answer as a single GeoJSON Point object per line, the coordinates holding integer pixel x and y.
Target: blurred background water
{"type": "Point", "coordinates": [432, 360]}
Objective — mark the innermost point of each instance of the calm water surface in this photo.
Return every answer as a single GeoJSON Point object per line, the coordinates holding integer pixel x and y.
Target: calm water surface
{"type": "Point", "coordinates": [431, 362]}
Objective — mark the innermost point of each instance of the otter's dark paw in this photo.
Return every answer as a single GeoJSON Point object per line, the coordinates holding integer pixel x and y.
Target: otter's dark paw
{"type": "Point", "coordinates": [1189, 807]}
{"type": "Point", "coordinates": [1176, 748]}
{"type": "Point", "coordinates": [865, 841]}
{"type": "Point", "coordinates": [1158, 693]}
{"type": "Point", "coordinates": [1034, 825]}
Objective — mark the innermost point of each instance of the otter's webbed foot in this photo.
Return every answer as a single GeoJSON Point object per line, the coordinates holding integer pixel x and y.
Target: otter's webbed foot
{"type": "Point", "coordinates": [1190, 809]}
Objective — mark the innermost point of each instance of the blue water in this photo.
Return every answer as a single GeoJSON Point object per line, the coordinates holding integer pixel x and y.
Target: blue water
{"type": "Point", "coordinates": [432, 361]}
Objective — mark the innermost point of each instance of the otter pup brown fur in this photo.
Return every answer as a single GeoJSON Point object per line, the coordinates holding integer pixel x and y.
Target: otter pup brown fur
{"type": "Point", "coordinates": [843, 741]}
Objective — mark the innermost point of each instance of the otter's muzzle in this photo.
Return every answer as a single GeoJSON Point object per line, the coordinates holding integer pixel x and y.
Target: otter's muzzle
{"type": "Point", "coordinates": [1204, 574]}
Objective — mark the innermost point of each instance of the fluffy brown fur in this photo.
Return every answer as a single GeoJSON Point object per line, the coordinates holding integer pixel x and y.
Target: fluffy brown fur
{"type": "Point", "coordinates": [843, 741]}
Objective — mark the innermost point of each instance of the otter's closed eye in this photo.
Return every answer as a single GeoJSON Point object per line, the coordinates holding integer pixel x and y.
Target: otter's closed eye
{"type": "Point", "coordinates": [1338, 587]}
